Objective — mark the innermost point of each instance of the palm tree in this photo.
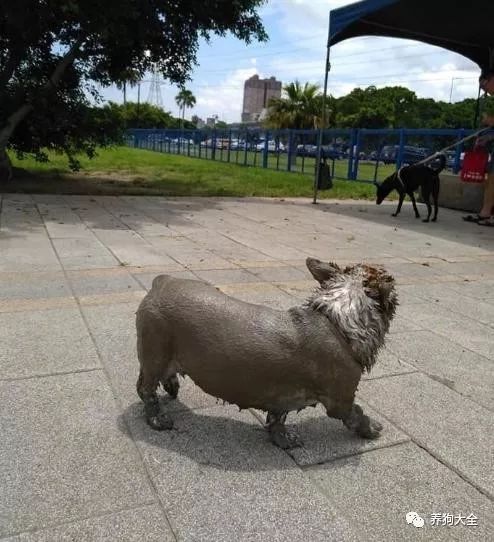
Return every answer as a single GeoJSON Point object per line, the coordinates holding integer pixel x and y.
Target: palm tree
{"type": "Point", "coordinates": [185, 100]}
{"type": "Point", "coordinates": [299, 108]}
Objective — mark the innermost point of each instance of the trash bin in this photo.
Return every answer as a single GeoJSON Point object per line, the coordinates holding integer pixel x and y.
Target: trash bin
{"type": "Point", "coordinates": [324, 182]}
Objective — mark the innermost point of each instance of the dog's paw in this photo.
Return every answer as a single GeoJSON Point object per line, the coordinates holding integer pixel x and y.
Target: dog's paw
{"type": "Point", "coordinates": [369, 428]}
{"type": "Point", "coordinates": [161, 422]}
{"type": "Point", "coordinates": [286, 440]}
{"type": "Point", "coordinates": [426, 220]}
{"type": "Point", "coordinates": [434, 219]}
{"type": "Point", "coordinates": [171, 386]}
{"type": "Point", "coordinates": [394, 214]}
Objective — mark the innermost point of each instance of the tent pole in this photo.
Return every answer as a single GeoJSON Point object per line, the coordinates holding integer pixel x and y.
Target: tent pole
{"type": "Point", "coordinates": [476, 119]}
{"type": "Point", "coordinates": [327, 67]}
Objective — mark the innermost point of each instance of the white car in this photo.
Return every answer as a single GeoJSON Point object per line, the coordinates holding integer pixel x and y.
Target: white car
{"type": "Point", "coordinates": [272, 146]}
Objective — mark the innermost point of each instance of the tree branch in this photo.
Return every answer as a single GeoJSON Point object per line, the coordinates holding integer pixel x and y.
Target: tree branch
{"type": "Point", "coordinates": [18, 116]}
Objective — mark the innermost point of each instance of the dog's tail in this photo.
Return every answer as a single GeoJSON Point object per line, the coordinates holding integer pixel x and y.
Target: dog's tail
{"type": "Point", "coordinates": [439, 163]}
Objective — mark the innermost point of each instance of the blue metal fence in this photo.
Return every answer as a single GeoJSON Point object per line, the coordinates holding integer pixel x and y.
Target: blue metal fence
{"type": "Point", "coordinates": [354, 154]}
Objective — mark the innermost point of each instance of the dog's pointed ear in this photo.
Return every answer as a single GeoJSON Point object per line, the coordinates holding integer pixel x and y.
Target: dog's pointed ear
{"type": "Point", "coordinates": [381, 286]}
{"type": "Point", "coordinates": [322, 271]}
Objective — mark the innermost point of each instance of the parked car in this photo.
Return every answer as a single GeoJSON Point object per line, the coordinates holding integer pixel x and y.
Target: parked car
{"type": "Point", "coordinates": [183, 141]}
{"type": "Point", "coordinates": [273, 146]}
{"type": "Point", "coordinates": [307, 150]}
{"type": "Point", "coordinates": [327, 151]}
{"type": "Point", "coordinates": [389, 154]}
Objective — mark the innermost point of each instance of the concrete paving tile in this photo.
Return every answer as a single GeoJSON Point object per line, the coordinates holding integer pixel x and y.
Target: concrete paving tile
{"type": "Point", "coordinates": [130, 296]}
{"type": "Point", "coordinates": [279, 274]}
{"type": "Point", "coordinates": [37, 257]}
{"type": "Point", "coordinates": [63, 456]}
{"type": "Point", "coordinates": [83, 254]}
{"type": "Point", "coordinates": [134, 525]}
{"type": "Point", "coordinates": [476, 336]}
{"type": "Point", "coordinates": [401, 324]}
{"type": "Point", "coordinates": [130, 248]}
{"type": "Point", "coordinates": [374, 492]}
{"type": "Point", "coordinates": [44, 342]}
{"type": "Point", "coordinates": [481, 290]}
{"type": "Point", "coordinates": [33, 286]}
{"type": "Point", "coordinates": [457, 431]}
{"type": "Point", "coordinates": [226, 276]}
{"type": "Point", "coordinates": [388, 364]}
{"type": "Point", "coordinates": [447, 297]}
{"type": "Point", "coordinates": [460, 369]}
{"type": "Point", "coordinates": [85, 284]}
{"type": "Point", "coordinates": [261, 293]}
{"type": "Point", "coordinates": [146, 279]}
{"type": "Point", "coordinates": [223, 457]}
{"type": "Point", "coordinates": [22, 305]}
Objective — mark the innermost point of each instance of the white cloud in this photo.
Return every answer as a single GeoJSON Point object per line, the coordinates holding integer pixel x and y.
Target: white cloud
{"type": "Point", "coordinates": [297, 51]}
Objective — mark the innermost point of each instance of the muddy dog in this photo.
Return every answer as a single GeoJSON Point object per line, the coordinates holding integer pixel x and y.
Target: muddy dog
{"type": "Point", "coordinates": [407, 180]}
{"type": "Point", "coordinates": [259, 357]}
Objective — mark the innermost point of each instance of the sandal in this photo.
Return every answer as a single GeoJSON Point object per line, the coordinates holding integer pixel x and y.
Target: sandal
{"type": "Point", "coordinates": [489, 222]}
{"type": "Point", "coordinates": [474, 218]}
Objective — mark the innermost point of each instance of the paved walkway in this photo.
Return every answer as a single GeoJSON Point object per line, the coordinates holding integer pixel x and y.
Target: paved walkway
{"type": "Point", "coordinates": [77, 461]}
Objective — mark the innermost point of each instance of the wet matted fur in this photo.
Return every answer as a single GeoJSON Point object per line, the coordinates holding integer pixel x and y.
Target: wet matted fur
{"type": "Point", "coordinates": [259, 357]}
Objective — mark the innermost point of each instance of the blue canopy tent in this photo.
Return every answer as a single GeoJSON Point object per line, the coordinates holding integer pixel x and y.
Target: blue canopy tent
{"type": "Point", "coordinates": [465, 28]}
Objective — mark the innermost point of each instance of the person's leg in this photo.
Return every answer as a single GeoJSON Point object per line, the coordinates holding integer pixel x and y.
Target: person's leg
{"type": "Point", "coordinates": [488, 201]}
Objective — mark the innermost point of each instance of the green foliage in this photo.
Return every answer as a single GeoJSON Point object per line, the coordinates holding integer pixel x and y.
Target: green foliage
{"type": "Point", "coordinates": [300, 107]}
{"type": "Point", "coordinates": [144, 115]}
{"type": "Point", "coordinates": [54, 53]}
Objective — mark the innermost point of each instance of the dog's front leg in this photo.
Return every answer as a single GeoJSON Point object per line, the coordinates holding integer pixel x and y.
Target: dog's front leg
{"type": "Point", "coordinates": [354, 419]}
{"type": "Point", "coordinates": [279, 434]}
{"type": "Point", "coordinates": [400, 203]}
{"type": "Point", "coordinates": [362, 425]}
{"type": "Point", "coordinates": [414, 203]}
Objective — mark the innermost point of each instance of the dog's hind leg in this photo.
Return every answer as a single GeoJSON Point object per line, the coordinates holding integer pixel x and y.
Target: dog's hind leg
{"type": "Point", "coordinates": [426, 196]}
{"type": "Point", "coordinates": [414, 203]}
{"type": "Point", "coordinates": [400, 203]}
{"type": "Point", "coordinates": [278, 433]}
{"type": "Point", "coordinates": [435, 197]}
{"type": "Point", "coordinates": [151, 351]}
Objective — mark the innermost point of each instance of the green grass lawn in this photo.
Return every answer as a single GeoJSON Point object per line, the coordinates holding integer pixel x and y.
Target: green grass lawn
{"type": "Point", "coordinates": [124, 170]}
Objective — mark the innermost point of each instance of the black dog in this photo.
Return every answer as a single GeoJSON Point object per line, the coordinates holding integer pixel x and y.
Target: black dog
{"type": "Point", "coordinates": [408, 179]}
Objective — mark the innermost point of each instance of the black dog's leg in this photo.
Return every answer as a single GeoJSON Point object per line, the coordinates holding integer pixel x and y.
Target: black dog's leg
{"type": "Point", "coordinates": [426, 196]}
{"type": "Point", "coordinates": [400, 203]}
{"type": "Point", "coordinates": [279, 434]}
{"type": "Point", "coordinates": [435, 197]}
{"type": "Point", "coordinates": [171, 386]}
{"type": "Point", "coordinates": [414, 203]}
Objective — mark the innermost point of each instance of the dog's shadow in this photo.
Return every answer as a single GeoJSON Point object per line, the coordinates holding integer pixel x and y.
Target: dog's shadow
{"type": "Point", "coordinates": [229, 440]}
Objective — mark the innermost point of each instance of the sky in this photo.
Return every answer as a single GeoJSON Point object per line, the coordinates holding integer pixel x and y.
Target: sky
{"type": "Point", "coordinates": [296, 49]}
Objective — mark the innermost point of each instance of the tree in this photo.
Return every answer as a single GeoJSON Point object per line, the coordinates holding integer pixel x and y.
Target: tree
{"type": "Point", "coordinates": [300, 107]}
{"type": "Point", "coordinates": [185, 99]}
{"type": "Point", "coordinates": [54, 53]}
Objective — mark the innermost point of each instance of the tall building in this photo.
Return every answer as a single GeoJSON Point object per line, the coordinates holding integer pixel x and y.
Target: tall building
{"type": "Point", "coordinates": [257, 93]}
